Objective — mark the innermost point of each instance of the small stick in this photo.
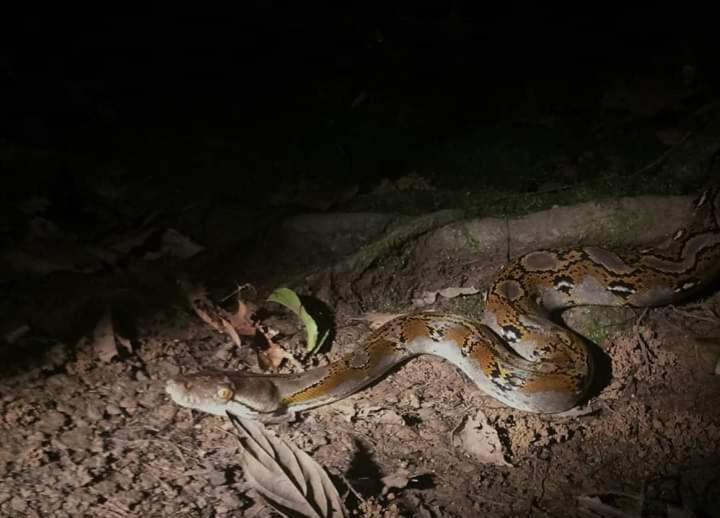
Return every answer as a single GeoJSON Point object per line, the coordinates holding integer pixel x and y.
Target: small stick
{"type": "Point", "coordinates": [643, 344]}
{"type": "Point", "coordinates": [714, 319]}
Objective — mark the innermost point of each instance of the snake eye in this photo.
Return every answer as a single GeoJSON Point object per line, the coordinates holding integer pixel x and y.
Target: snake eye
{"type": "Point", "coordinates": [224, 393]}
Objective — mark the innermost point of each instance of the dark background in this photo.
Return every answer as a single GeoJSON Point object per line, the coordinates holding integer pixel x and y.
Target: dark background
{"type": "Point", "coordinates": [274, 91]}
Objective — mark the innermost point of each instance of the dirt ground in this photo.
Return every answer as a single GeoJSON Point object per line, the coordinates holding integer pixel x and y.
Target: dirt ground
{"type": "Point", "coordinates": [87, 435]}
{"type": "Point", "coordinates": [379, 171]}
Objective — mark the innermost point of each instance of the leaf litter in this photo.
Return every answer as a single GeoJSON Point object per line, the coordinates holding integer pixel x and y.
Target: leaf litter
{"type": "Point", "coordinates": [64, 418]}
{"type": "Point", "coordinates": [286, 476]}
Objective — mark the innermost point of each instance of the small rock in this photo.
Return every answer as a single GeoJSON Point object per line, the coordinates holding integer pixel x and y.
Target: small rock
{"type": "Point", "coordinates": [397, 480]}
{"type": "Point", "coordinates": [129, 403]}
{"type": "Point", "coordinates": [93, 412]}
{"type": "Point", "coordinates": [65, 409]}
{"type": "Point", "coordinates": [225, 353]}
{"type": "Point", "coordinates": [391, 417]}
{"type": "Point", "coordinates": [149, 399]}
{"type": "Point", "coordinates": [167, 412]}
{"type": "Point", "coordinates": [413, 401]}
{"type": "Point", "coordinates": [76, 438]}
{"type": "Point", "coordinates": [426, 414]}
{"type": "Point", "coordinates": [53, 421]}
{"type": "Point", "coordinates": [18, 505]}
{"type": "Point", "coordinates": [230, 499]}
{"type": "Point", "coordinates": [97, 446]}
{"type": "Point", "coordinates": [166, 369]}
{"type": "Point", "coordinates": [217, 478]}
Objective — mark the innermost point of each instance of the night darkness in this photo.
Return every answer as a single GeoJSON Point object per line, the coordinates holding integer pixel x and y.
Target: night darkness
{"type": "Point", "coordinates": [265, 143]}
{"type": "Point", "coordinates": [273, 86]}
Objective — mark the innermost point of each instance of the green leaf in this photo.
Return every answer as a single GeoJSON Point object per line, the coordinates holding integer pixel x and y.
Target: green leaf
{"type": "Point", "coordinates": [289, 299]}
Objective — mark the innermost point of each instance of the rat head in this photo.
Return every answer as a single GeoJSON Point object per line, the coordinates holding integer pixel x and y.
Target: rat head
{"type": "Point", "coordinates": [249, 396]}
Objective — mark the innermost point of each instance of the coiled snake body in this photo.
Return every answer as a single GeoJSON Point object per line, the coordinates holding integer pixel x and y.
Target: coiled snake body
{"type": "Point", "coordinates": [515, 353]}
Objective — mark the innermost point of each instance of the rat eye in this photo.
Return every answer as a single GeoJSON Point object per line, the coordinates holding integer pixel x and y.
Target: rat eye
{"type": "Point", "coordinates": [224, 393]}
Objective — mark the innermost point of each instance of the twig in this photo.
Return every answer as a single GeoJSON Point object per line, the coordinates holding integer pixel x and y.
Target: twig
{"type": "Point", "coordinates": [641, 339]}
{"type": "Point", "coordinates": [607, 406]}
{"type": "Point", "coordinates": [175, 475]}
{"type": "Point", "coordinates": [534, 502]}
{"type": "Point", "coordinates": [714, 319]}
{"type": "Point", "coordinates": [117, 509]}
{"type": "Point", "coordinates": [177, 449]}
{"type": "Point", "coordinates": [238, 290]}
{"type": "Point", "coordinates": [351, 488]}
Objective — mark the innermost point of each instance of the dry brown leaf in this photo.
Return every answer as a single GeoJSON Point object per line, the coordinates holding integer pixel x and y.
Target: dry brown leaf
{"type": "Point", "coordinates": [103, 340]}
{"type": "Point", "coordinates": [241, 319]}
{"type": "Point", "coordinates": [125, 342]}
{"type": "Point", "coordinates": [273, 355]}
{"type": "Point", "coordinates": [429, 297]}
{"type": "Point", "coordinates": [481, 440]}
{"type": "Point", "coordinates": [574, 412]}
{"type": "Point", "coordinates": [211, 314]}
{"type": "Point", "coordinates": [199, 302]}
{"type": "Point", "coordinates": [230, 331]}
{"type": "Point", "coordinates": [285, 476]}
{"type": "Point", "coordinates": [452, 292]}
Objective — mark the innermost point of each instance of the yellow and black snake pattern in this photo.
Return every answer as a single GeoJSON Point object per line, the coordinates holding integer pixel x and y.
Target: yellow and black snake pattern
{"type": "Point", "coordinates": [515, 352]}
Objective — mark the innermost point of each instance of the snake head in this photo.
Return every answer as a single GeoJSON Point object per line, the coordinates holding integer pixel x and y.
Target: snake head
{"type": "Point", "coordinates": [245, 395]}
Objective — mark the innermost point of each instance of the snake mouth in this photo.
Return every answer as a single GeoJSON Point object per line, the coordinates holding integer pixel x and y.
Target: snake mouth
{"type": "Point", "coordinates": [179, 392]}
{"type": "Point", "coordinates": [190, 395]}
{"type": "Point", "coordinates": [187, 395]}
{"type": "Point", "coordinates": [202, 394]}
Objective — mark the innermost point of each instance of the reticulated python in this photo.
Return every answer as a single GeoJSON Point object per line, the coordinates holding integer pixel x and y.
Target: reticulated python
{"type": "Point", "coordinates": [515, 352]}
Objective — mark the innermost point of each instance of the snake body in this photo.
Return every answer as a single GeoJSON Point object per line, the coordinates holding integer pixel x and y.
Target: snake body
{"type": "Point", "coordinates": [515, 352]}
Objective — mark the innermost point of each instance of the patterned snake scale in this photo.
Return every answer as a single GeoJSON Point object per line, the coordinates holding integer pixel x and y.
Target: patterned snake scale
{"type": "Point", "coordinates": [515, 352]}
